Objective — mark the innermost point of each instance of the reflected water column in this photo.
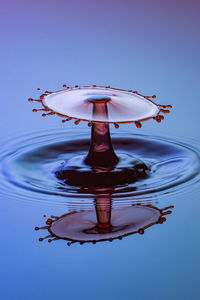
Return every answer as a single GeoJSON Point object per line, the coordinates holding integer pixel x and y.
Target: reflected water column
{"type": "Point", "coordinates": [103, 212]}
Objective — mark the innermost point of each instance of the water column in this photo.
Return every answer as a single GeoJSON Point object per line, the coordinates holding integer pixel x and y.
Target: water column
{"type": "Point", "coordinates": [101, 152]}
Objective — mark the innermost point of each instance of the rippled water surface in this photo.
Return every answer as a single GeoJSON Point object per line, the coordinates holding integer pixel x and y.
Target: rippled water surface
{"type": "Point", "coordinates": [29, 163]}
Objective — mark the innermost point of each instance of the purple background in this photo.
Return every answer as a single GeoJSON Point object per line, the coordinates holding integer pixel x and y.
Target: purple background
{"type": "Point", "coordinates": [149, 46]}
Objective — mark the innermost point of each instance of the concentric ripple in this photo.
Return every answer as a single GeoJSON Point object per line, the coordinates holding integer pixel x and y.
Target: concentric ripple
{"type": "Point", "coordinates": [28, 164]}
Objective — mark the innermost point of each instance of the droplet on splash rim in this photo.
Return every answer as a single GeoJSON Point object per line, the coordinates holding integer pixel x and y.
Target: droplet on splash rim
{"type": "Point", "coordinates": [138, 124]}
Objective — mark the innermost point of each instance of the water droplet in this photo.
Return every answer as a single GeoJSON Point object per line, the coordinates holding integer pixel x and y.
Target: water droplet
{"type": "Point", "coordinates": [165, 111]}
{"type": "Point", "coordinates": [138, 124]}
{"type": "Point", "coordinates": [163, 219]}
{"type": "Point", "coordinates": [49, 222]}
{"type": "Point", "coordinates": [158, 119]}
{"type": "Point", "coordinates": [77, 122]}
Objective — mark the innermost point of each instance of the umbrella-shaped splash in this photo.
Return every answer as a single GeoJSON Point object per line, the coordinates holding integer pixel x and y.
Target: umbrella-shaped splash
{"type": "Point", "coordinates": [100, 106]}
{"type": "Point", "coordinates": [83, 104]}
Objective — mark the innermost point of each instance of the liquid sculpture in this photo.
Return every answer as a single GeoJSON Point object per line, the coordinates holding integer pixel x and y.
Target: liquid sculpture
{"type": "Point", "coordinates": [103, 223]}
{"type": "Point", "coordinates": [100, 107]}
{"type": "Point", "coordinates": [101, 170]}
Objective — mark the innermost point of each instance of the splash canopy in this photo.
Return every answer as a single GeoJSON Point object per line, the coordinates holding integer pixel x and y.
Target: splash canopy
{"type": "Point", "coordinates": [122, 106]}
{"type": "Point", "coordinates": [100, 106]}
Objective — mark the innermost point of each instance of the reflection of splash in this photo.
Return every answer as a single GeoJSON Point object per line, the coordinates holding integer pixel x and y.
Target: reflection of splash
{"type": "Point", "coordinates": [97, 226]}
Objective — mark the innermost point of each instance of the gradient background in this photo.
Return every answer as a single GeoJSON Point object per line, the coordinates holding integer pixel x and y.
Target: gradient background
{"type": "Point", "coordinates": [149, 46]}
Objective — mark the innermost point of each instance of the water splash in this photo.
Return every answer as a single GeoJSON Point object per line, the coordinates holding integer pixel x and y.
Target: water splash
{"type": "Point", "coordinates": [122, 106]}
{"type": "Point", "coordinates": [28, 163]}
{"type": "Point", "coordinates": [100, 106]}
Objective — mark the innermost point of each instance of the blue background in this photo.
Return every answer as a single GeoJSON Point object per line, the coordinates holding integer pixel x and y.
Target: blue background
{"type": "Point", "coordinates": [149, 46]}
